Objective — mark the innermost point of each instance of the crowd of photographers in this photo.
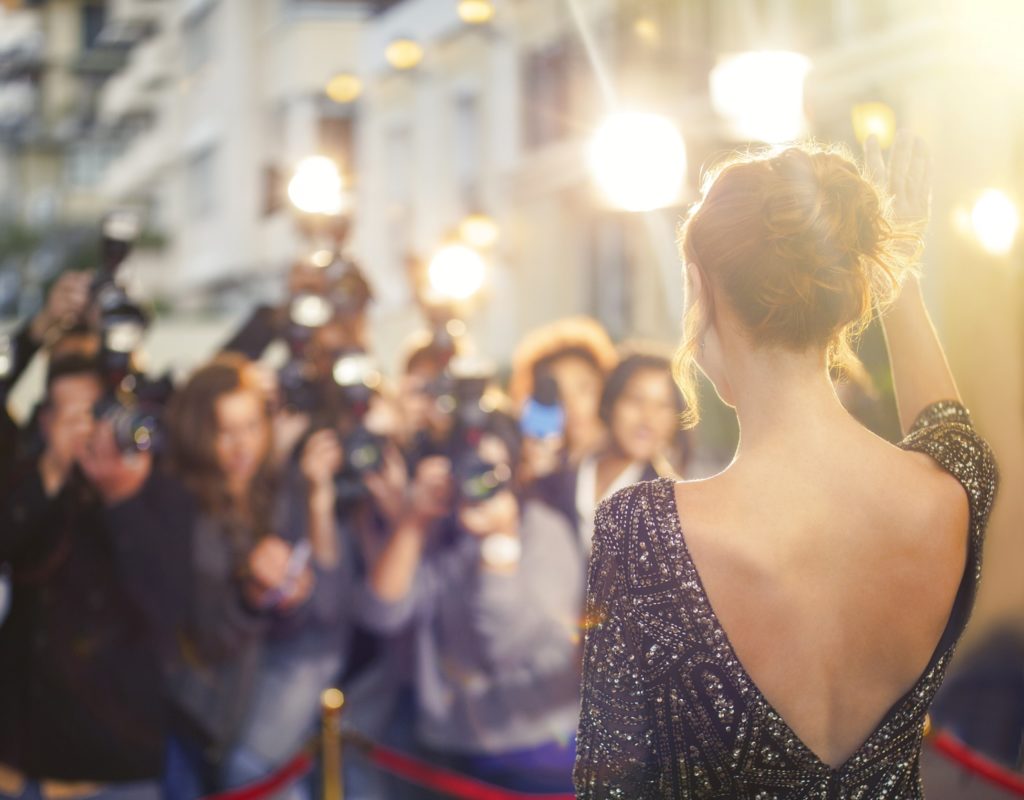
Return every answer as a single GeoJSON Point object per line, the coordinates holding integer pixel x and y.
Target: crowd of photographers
{"type": "Point", "coordinates": [191, 566]}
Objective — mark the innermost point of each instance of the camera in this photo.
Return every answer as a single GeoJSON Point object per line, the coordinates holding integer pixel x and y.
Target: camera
{"type": "Point", "coordinates": [331, 288]}
{"type": "Point", "coordinates": [132, 403]}
{"type": "Point", "coordinates": [355, 378]}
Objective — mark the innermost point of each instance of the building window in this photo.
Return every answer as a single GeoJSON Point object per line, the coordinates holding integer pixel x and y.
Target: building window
{"type": "Point", "coordinates": [467, 149]}
{"type": "Point", "coordinates": [197, 38]}
{"type": "Point", "coordinates": [201, 183]}
{"type": "Point", "coordinates": [93, 18]}
{"type": "Point", "coordinates": [547, 80]}
{"type": "Point", "coordinates": [334, 139]}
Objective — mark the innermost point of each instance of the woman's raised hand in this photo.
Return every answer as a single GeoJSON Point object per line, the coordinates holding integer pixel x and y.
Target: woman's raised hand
{"type": "Point", "coordinates": [907, 177]}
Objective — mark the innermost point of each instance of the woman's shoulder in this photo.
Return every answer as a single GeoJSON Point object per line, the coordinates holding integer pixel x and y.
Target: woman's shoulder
{"type": "Point", "coordinates": [636, 518]}
{"type": "Point", "coordinates": [944, 432]}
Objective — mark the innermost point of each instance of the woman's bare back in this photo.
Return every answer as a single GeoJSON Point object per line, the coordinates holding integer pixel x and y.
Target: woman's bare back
{"type": "Point", "coordinates": [833, 574]}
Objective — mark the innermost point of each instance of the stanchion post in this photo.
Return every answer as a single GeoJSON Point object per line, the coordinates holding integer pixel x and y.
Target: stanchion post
{"type": "Point", "coordinates": [332, 701]}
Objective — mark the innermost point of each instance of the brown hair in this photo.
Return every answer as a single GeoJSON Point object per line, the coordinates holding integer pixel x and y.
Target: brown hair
{"type": "Point", "coordinates": [801, 244]}
{"type": "Point", "coordinates": [580, 336]}
{"type": "Point", "coordinates": [192, 432]}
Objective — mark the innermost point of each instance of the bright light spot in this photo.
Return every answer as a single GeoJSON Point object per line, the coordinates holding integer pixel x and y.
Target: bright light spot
{"type": "Point", "coordinates": [456, 272]}
{"type": "Point", "coordinates": [123, 225]}
{"type": "Point", "coordinates": [456, 328]}
{"type": "Point", "coordinates": [316, 186]}
{"type": "Point", "coordinates": [355, 370]}
{"type": "Point", "coordinates": [995, 221]}
{"type": "Point", "coordinates": [404, 54]}
{"type": "Point", "coordinates": [322, 258]}
{"type": "Point", "coordinates": [476, 12]}
{"type": "Point", "coordinates": [761, 94]}
{"type": "Point", "coordinates": [310, 310]}
{"type": "Point", "coordinates": [123, 337]}
{"type": "Point", "coordinates": [874, 119]}
{"type": "Point", "coordinates": [344, 88]}
{"type": "Point", "coordinates": [479, 231]}
{"type": "Point", "coordinates": [638, 161]}
{"type": "Point", "coordinates": [647, 29]}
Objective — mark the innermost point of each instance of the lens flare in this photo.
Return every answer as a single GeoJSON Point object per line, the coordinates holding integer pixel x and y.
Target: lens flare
{"type": "Point", "coordinates": [761, 94]}
{"type": "Point", "coordinates": [638, 161]}
{"type": "Point", "coordinates": [995, 220]}
{"type": "Point", "coordinates": [456, 273]}
{"type": "Point", "coordinates": [316, 186]}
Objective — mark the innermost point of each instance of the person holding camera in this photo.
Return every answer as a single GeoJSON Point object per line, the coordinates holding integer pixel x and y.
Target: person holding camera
{"type": "Point", "coordinates": [219, 570]}
{"type": "Point", "coordinates": [494, 614]}
{"type": "Point", "coordinates": [78, 665]}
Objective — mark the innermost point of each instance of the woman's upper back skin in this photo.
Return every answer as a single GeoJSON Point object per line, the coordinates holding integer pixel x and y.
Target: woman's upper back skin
{"type": "Point", "coordinates": [833, 573]}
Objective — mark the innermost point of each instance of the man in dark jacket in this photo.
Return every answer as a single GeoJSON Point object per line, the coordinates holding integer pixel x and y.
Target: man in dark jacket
{"type": "Point", "coordinates": [79, 684]}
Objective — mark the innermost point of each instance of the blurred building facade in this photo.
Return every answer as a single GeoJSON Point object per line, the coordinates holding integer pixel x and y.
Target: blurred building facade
{"type": "Point", "coordinates": [217, 99]}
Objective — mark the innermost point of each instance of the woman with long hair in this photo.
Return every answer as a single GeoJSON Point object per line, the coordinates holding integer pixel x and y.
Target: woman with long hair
{"type": "Point", "coordinates": [209, 552]}
{"type": "Point", "coordinates": [779, 629]}
{"type": "Point", "coordinates": [640, 408]}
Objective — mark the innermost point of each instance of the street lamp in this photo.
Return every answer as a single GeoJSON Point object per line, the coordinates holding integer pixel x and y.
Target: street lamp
{"type": "Point", "coordinates": [344, 88]}
{"type": "Point", "coordinates": [404, 54]}
{"type": "Point", "coordinates": [995, 220]}
{"type": "Point", "coordinates": [761, 94]}
{"type": "Point", "coordinates": [476, 12]}
{"type": "Point", "coordinates": [316, 187]}
{"type": "Point", "coordinates": [638, 160]}
{"type": "Point", "coordinates": [874, 119]}
{"type": "Point", "coordinates": [479, 230]}
{"type": "Point", "coordinates": [455, 274]}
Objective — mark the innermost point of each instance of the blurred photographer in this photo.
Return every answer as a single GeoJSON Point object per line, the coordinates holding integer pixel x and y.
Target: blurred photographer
{"type": "Point", "coordinates": [78, 668]}
{"type": "Point", "coordinates": [640, 406]}
{"type": "Point", "coordinates": [495, 615]}
{"type": "Point", "coordinates": [65, 307]}
{"type": "Point", "coordinates": [219, 567]}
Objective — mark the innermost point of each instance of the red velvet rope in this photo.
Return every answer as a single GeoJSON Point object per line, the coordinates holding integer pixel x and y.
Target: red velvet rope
{"type": "Point", "coordinates": [460, 787]}
{"type": "Point", "coordinates": [445, 781]}
{"type": "Point", "coordinates": [286, 775]}
{"type": "Point", "coordinates": [977, 764]}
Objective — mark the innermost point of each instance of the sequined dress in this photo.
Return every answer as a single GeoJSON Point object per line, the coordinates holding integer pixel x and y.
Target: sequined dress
{"type": "Point", "coordinates": [669, 711]}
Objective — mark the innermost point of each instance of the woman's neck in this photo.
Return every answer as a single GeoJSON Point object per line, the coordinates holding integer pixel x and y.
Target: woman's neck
{"type": "Point", "coordinates": [785, 400]}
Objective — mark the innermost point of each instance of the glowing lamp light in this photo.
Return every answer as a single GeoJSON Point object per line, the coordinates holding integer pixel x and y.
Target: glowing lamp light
{"type": "Point", "coordinates": [647, 29]}
{"type": "Point", "coordinates": [456, 272]}
{"type": "Point", "coordinates": [344, 88]}
{"type": "Point", "coordinates": [476, 12]}
{"type": "Point", "coordinates": [404, 54]}
{"type": "Point", "coordinates": [479, 231]}
{"type": "Point", "coordinates": [995, 220]}
{"type": "Point", "coordinates": [125, 336]}
{"type": "Point", "coordinates": [638, 161]}
{"type": "Point", "coordinates": [316, 187]}
{"type": "Point", "coordinates": [761, 94]}
{"type": "Point", "coordinates": [322, 259]}
{"type": "Point", "coordinates": [874, 119]}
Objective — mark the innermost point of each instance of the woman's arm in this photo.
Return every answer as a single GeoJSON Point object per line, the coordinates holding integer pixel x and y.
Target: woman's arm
{"type": "Point", "coordinates": [921, 375]}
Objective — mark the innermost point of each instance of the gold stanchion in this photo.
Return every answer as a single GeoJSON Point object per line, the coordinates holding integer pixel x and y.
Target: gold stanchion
{"type": "Point", "coordinates": [331, 703]}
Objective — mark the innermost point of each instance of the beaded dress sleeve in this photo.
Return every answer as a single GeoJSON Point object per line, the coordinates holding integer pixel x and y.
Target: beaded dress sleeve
{"type": "Point", "coordinates": [616, 750]}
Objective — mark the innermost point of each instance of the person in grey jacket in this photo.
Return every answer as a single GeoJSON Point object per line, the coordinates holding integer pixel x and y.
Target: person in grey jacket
{"type": "Point", "coordinates": [496, 618]}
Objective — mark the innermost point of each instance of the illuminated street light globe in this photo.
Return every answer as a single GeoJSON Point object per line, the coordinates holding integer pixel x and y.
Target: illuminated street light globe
{"type": "Point", "coordinates": [476, 12]}
{"type": "Point", "coordinates": [638, 161]}
{"type": "Point", "coordinates": [344, 88]}
{"type": "Point", "coordinates": [404, 54]}
{"type": "Point", "coordinates": [479, 231]}
{"type": "Point", "coordinates": [995, 220]}
{"type": "Point", "coordinates": [456, 273]}
{"type": "Point", "coordinates": [316, 187]}
{"type": "Point", "coordinates": [761, 94]}
{"type": "Point", "coordinates": [874, 119]}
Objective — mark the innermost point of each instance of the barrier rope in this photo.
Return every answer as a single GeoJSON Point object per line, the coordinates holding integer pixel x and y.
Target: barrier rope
{"type": "Point", "coordinates": [300, 766]}
{"type": "Point", "coordinates": [460, 787]}
{"type": "Point", "coordinates": [973, 762]}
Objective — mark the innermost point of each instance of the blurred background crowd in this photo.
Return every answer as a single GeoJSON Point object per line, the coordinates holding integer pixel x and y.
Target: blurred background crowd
{"type": "Point", "coordinates": [327, 324]}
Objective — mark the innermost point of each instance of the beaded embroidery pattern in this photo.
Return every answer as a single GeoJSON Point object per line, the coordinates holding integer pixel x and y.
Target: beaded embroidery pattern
{"type": "Point", "coordinates": [670, 712]}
